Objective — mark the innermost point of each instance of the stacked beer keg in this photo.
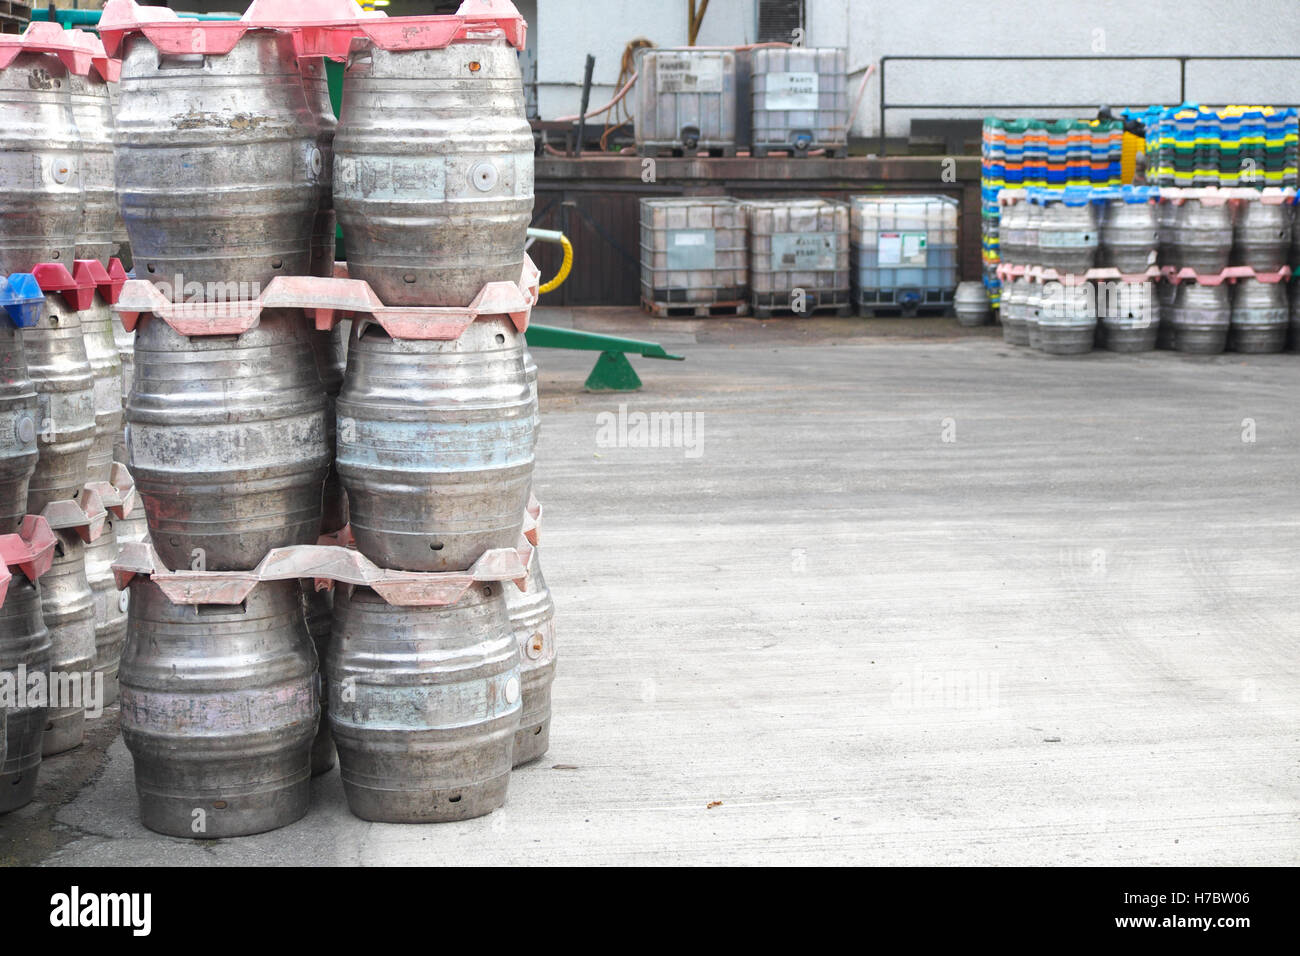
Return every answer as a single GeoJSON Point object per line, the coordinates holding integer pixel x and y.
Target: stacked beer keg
{"type": "Point", "coordinates": [431, 706]}
{"type": "Point", "coordinates": [251, 436]}
{"type": "Point", "coordinates": [1195, 270]}
{"type": "Point", "coordinates": [1227, 266]}
{"type": "Point", "coordinates": [61, 386]}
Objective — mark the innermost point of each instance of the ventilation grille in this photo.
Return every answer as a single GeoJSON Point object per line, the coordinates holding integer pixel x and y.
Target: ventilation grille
{"type": "Point", "coordinates": [778, 19]}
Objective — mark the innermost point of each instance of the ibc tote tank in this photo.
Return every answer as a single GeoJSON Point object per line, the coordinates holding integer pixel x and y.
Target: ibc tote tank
{"type": "Point", "coordinates": [686, 101]}
{"type": "Point", "coordinates": [800, 100]}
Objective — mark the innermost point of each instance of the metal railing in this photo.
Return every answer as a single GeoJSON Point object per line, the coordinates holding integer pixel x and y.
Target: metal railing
{"type": "Point", "coordinates": [1182, 62]}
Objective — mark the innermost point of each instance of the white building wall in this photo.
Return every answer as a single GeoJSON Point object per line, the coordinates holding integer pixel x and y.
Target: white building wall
{"type": "Point", "coordinates": [566, 30]}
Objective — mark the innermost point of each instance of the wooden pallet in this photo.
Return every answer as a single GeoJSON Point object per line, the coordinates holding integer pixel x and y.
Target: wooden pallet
{"type": "Point", "coordinates": [713, 152]}
{"type": "Point", "coordinates": [762, 152]}
{"type": "Point", "coordinates": [694, 310]}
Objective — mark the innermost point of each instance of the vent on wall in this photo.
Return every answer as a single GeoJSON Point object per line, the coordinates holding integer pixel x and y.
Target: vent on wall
{"type": "Point", "coordinates": [778, 19]}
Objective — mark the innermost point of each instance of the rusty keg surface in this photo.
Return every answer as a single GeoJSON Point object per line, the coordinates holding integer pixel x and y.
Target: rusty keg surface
{"type": "Point", "coordinates": [18, 425]}
{"type": "Point", "coordinates": [65, 390]}
{"type": "Point", "coordinates": [532, 618]}
{"type": "Point", "coordinates": [433, 171]}
{"type": "Point", "coordinates": [24, 643]}
{"type": "Point", "coordinates": [217, 164]}
{"type": "Point", "coordinates": [68, 607]}
{"type": "Point", "coordinates": [110, 607]}
{"type": "Point", "coordinates": [318, 610]}
{"type": "Point", "coordinates": [424, 703]}
{"type": "Point", "coordinates": [93, 113]}
{"type": "Point", "coordinates": [228, 441]}
{"type": "Point", "coordinates": [435, 445]}
{"type": "Point", "coordinates": [40, 155]}
{"type": "Point", "coordinates": [106, 369]}
{"type": "Point", "coordinates": [219, 710]}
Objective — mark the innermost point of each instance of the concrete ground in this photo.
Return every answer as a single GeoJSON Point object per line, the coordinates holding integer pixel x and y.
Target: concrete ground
{"type": "Point", "coordinates": [920, 598]}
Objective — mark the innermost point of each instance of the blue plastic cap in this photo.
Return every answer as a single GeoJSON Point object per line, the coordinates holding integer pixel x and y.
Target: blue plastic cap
{"type": "Point", "coordinates": [22, 299]}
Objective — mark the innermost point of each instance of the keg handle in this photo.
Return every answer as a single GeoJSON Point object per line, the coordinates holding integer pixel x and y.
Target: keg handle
{"type": "Point", "coordinates": [181, 61]}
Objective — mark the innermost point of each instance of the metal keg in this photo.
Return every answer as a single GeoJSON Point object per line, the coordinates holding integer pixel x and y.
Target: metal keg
{"type": "Point", "coordinates": [530, 374]}
{"type": "Point", "coordinates": [1030, 236]}
{"type": "Point", "coordinates": [93, 114]}
{"type": "Point", "coordinates": [1200, 317]}
{"type": "Point", "coordinates": [228, 441]}
{"type": "Point", "coordinates": [316, 86]}
{"type": "Point", "coordinates": [18, 425]}
{"type": "Point", "coordinates": [121, 244]}
{"type": "Point", "coordinates": [1130, 236]}
{"type": "Point", "coordinates": [1128, 315]}
{"type": "Point", "coordinates": [1202, 237]}
{"type": "Point", "coordinates": [1259, 317]}
{"type": "Point", "coordinates": [106, 368]}
{"type": "Point", "coordinates": [331, 362]}
{"type": "Point", "coordinates": [1015, 328]}
{"type": "Point", "coordinates": [424, 703]}
{"type": "Point", "coordinates": [1033, 312]}
{"type": "Point", "coordinates": [1166, 222]}
{"type": "Point", "coordinates": [1067, 318]}
{"type": "Point", "coordinates": [219, 710]}
{"type": "Point", "coordinates": [125, 342]}
{"type": "Point", "coordinates": [68, 607]}
{"type": "Point", "coordinates": [65, 390]}
{"type": "Point", "coordinates": [532, 618]}
{"type": "Point", "coordinates": [1294, 337]}
{"type": "Point", "coordinates": [24, 651]}
{"type": "Point", "coordinates": [1068, 237]}
{"type": "Point", "coordinates": [1012, 222]}
{"type": "Point", "coordinates": [318, 611]}
{"type": "Point", "coordinates": [40, 189]}
{"type": "Point", "coordinates": [971, 304]}
{"type": "Point", "coordinates": [1165, 293]}
{"type": "Point", "coordinates": [435, 445]}
{"type": "Point", "coordinates": [110, 607]}
{"type": "Point", "coordinates": [1294, 258]}
{"type": "Point", "coordinates": [218, 167]}
{"type": "Point", "coordinates": [1261, 236]}
{"type": "Point", "coordinates": [433, 170]}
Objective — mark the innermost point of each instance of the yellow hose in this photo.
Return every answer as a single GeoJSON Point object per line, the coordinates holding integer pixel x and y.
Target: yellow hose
{"type": "Point", "coordinates": [565, 266]}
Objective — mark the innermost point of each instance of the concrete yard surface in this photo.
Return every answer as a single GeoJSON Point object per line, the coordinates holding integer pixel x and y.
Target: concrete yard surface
{"type": "Point", "coordinates": [887, 592]}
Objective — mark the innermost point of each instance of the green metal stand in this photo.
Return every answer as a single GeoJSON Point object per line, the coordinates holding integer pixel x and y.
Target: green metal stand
{"type": "Point", "coordinates": [613, 372]}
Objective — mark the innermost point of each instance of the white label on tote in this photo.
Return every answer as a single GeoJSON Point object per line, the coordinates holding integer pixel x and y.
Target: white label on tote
{"type": "Point", "coordinates": [901, 249]}
{"type": "Point", "coordinates": [688, 74]}
{"type": "Point", "coordinates": [792, 91]}
{"type": "Point", "coordinates": [803, 252]}
{"type": "Point", "coordinates": [690, 249]}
